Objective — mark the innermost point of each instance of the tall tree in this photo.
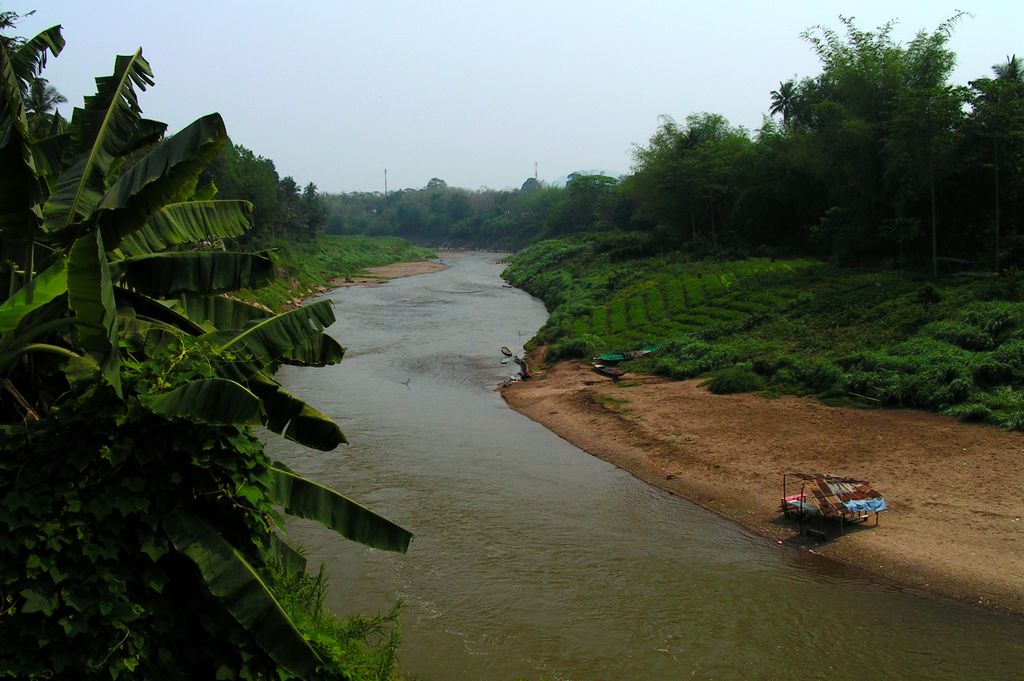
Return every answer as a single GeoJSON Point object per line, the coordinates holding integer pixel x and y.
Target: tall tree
{"type": "Point", "coordinates": [921, 133]}
{"type": "Point", "coordinates": [1010, 70]}
{"type": "Point", "coordinates": [998, 116]}
{"type": "Point", "coordinates": [864, 94]}
{"type": "Point", "coordinates": [783, 101]}
{"type": "Point", "coordinates": [41, 106]}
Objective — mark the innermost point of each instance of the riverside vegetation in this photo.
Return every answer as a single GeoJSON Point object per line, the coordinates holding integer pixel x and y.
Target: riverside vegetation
{"type": "Point", "coordinates": [141, 523]}
{"type": "Point", "coordinates": [302, 265]}
{"type": "Point", "coordinates": [879, 160]}
{"type": "Point", "coordinates": [815, 256]}
{"type": "Point", "coordinates": [800, 326]}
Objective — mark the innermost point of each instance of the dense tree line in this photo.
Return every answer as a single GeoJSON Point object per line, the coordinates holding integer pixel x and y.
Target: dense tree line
{"type": "Point", "coordinates": [878, 158]}
{"type": "Point", "coordinates": [439, 214]}
{"type": "Point", "coordinates": [280, 207]}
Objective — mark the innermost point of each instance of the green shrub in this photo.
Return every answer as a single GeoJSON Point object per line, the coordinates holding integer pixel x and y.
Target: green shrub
{"type": "Point", "coordinates": [993, 317]}
{"type": "Point", "coordinates": [577, 346]}
{"type": "Point", "coordinates": [654, 304]}
{"type": "Point", "coordinates": [1004, 365]}
{"type": "Point", "coordinates": [734, 380]}
{"type": "Point", "coordinates": [969, 411]}
{"type": "Point", "coordinates": [928, 294]}
{"type": "Point", "coordinates": [960, 334]}
{"type": "Point", "coordinates": [1012, 353]}
{"type": "Point", "coordinates": [687, 357]}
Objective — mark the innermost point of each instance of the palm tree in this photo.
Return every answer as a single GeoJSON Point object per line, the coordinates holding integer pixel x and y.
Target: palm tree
{"type": "Point", "coordinates": [41, 99]}
{"type": "Point", "coordinates": [783, 101]}
{"type": "Point", "coordinates": [1012, 70]}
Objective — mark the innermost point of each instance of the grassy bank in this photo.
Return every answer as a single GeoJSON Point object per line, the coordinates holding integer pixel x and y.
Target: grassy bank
{"type": "Point", "coordinates": [304, 265]}
{"type": "Point", "coordinates": [799, 326]}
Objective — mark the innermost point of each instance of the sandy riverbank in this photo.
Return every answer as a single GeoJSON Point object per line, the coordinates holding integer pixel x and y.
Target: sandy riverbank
{"type": "Point", "coordinates": [396, 270]}
{"type": "Point", "coordinates": [956, 491]}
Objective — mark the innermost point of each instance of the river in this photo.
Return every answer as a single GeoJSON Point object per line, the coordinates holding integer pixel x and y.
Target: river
{"type": "Point", "coordinates": [534, 559]}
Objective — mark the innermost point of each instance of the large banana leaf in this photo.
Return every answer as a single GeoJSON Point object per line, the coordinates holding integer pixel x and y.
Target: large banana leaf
{"type": "Point", "coordinates": [51, 283]}
{"type": "Point", "coordinates": [238, 587]}
{"type": "Point", "coordinates": [296, 335]}
{"type": "Point", "coordinates": [205, 193]}
{"type": "Point", "coordinates": [293, 418]}
{"type": "Point", "coordinates": [48, 154]}
{"type": "Point", "coordinates": [220, 311]}
{"type": "Point", "coordinates": [91, 297]}
{"type": "Point", "coordinates": [29, 58]}
{"type": "Point", "coordinates": [19, 186]}
{"type": "Point", "coordinates": [102, 131]}
{"type": "Point", "coordinates": [145, 307]}
{"type": "Point", "coordinates": [158, 178]}
{"type": "Point", "coordinates": [208, 400]}
{"type": "Point", "coordinates": [189, 222]}
{"type": "Point", "coordinates": [149, 338]}
{"type": "Point", "coordinates": [166, 275]}
{"type": "Point", "coordinates": [319, 351]}
{"type": "Point", "coordinates": [288, 559]}
{"type": "Point", "coordinates": [306, 499]}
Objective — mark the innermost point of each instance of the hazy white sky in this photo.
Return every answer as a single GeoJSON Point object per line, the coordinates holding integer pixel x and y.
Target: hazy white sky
{"type": "Point", "coordinates": [471, 92]}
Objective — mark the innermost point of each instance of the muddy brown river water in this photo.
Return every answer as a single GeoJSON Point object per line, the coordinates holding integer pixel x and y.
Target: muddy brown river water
{"type": "Point", "coordinates": [533, 559]}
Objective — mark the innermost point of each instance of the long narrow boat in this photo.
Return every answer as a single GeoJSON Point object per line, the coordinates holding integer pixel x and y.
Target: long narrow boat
{"type": "Point", "coordinates": [616, 357]}
{"type": "Point", "coordinates": [612, 372]}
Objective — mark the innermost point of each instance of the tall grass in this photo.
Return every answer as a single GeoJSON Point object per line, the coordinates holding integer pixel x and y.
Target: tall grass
{"type": "Point", "coordinates": [362, 648]}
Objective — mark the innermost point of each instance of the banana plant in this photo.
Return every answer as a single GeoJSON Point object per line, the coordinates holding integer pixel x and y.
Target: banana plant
{"type": "Point", "coordinates": [105, 239]}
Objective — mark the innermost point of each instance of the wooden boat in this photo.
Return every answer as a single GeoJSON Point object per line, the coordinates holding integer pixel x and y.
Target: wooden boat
{"type": "Point", "coordinates": [607, 358]}
{"type": "Point", "coordinates": [612, 372]}
{"type": "Point", "coordinates": [505, 351]}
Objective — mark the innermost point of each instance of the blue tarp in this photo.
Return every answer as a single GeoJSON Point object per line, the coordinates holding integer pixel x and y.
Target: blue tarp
{"type": "Point", "coordinates": [866, 505]}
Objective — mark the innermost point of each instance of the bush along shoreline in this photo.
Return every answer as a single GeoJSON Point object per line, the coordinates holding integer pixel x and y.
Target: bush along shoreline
{"type": "Point", "coordinates": [303, 267]}
{"type": "Point", "coordinates": [869, 337]}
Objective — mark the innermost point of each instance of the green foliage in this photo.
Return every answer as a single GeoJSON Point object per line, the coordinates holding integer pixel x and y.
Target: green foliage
{"type": "Point", "coordinates": [576, 346]}
{"type": "Point", "coordinates": [734, 380]}
{"type": "Point", "coordinates": [281, 209]}
{"type": "Point", "coordinates": [961, 334]}
{"type": "Point", "coordinates": [301, 266]}
{"type": "Point", "coordinates": [928, 294]}
{"type": "Point", "coordinates": [797, 375]}
{"type": "Point", "coordinates": [360, 647]}
{"type": "Point", "coordinates": [801, 326]}
{"type": "Point", "coordinates": [994, 317]}
{"type": "Point", "coordinates": [139, 531]}
{"type": "Point", "coordinates": [91, 585]}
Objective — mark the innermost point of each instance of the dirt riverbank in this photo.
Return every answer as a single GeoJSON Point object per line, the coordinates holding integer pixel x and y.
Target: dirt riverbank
{"type": "Point", "coordinates": [955, 491]}
{"type": "Point", "coordinates": [396, 270]}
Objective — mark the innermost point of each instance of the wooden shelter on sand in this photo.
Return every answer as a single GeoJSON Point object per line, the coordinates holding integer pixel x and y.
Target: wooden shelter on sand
{"type": "Point", "coordinates": [829, 497]}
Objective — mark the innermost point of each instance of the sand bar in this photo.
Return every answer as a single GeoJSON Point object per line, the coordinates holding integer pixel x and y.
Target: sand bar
{"type": "Point", "coordinates": [955, 491]}
{"type": "Point", "coordinates": [397, 270]}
